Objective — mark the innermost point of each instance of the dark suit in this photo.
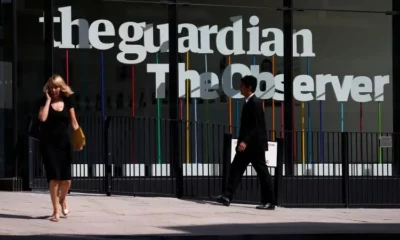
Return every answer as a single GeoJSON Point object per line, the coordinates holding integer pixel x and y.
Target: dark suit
{"type": "Point", "coordinates": [253, 133]}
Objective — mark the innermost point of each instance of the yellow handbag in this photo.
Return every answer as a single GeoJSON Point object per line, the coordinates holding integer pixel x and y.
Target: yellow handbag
{"type": "Point", "coordinates": [78, 139]}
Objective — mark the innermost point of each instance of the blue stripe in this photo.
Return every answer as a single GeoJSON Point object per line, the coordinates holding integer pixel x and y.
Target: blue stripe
{"type": "Point", "coordinates": [309, 121]}
{"type": "Point", "coordinates": [102, 86]}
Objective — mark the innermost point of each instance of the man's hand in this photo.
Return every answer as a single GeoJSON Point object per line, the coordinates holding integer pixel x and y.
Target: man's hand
{"type": "Point", "coordinates": [242, 147]}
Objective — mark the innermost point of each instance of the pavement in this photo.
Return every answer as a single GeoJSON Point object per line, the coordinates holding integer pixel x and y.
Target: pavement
{"type": "Point", "coordinates": [25, 216]}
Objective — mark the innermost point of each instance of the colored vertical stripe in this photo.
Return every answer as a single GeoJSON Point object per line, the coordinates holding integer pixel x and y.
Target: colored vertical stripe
{"type": "Point", "coordinates": [309, 143]}
{"type": "Point", "coordinates": [294, 135]}
{"type": "Point", "coordinates": [237, 114]}
{"type": "Point", "coordinates": [303, 151]}
{"type": "Point", "coordinates": [380, 130]}
{"type": "Point", "coordinates": [187, 112]}
{"type": "Point", "coordinates": [67, 66]}
{"type": "Point", "coordinates": [195, 124]}
{"type": "Point", "coordinates": [254, 63]}
{"type": "Point", "coordinates": [262, 100]}
{"type": "Point", "coordinates": [237, 117]}
{"type": "Point", "coordinates": [103, 113]}
{"type": "Point", "coordinates": [230, 104]}
{"type": "Point", "coordinates": [180, 109]}
{"type": "Point", "coordinates": [133, 110]}
{"type": "Point", "coordinates": [181, 105]}
{"type": "Point", "coordinates": [361, 132]}
{"type": "Point", "coordinates": [85, 77]}
{"type": "Point", "coordinates": [342, 117]}
{"type": "Point", "coordinates": [133, 89]}
{"type": "Point", "coordinates": [303, 141]}
{"type": "Point", "coordinates": [207, 113]}
{"type": "Point", "coordinates": [85, 91]}
{"type": "Point", "coordinates": [195, 130]}
{"type": "Point", "coordinates": [321, 135]}
{"type": "Point", "coordinates": [282, 120]}
{"type": "Point", "coordinates": [158, 123]}
{"type": "Point", "coordinates": [273, 102]}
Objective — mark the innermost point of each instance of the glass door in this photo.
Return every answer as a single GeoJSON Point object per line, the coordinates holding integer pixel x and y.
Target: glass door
{"type": "Point", "coordinates": [5, 79]}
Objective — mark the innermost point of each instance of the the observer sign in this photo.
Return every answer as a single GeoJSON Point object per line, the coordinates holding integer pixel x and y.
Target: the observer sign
{"type": "Point", "coordinates": [204, 85]}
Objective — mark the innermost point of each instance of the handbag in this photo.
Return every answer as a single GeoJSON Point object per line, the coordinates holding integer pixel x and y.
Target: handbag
{"type": "Point", "coordinates": [78, 139]}
{"type": "Point", "coordinates": [34, 128]}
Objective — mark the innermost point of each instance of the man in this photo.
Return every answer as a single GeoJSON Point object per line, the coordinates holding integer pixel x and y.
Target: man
{"type": "Point", "coordinates": [251, 148]}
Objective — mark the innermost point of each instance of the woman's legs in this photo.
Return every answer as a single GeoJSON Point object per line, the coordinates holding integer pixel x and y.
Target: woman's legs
{"type": "Point", "coordinates": [64, 188]}
{"type": "Point", "coordinates": [54, 188]}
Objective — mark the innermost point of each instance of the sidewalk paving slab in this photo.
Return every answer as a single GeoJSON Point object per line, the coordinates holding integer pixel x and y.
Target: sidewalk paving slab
{"type": "Point", "coordinates": [121, 217]}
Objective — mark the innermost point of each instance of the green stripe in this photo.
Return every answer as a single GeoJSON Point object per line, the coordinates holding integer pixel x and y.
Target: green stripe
{"type": "Point", "coordinates": [208, 126]}
{"type": "Point", "coordinates": [380, 130]}
{"type": "Point", "coordinates": [158, 124]}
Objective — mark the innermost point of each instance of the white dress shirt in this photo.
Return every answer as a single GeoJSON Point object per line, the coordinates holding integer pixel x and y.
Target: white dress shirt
{"type": "Point", "coordinates": [247, 99]}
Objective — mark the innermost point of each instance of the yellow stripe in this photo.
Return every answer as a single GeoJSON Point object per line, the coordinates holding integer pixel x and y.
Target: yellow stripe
{"type": "Point", "coordinates": [273, 102]}
{"type": "Point", "coordinates": [302, 134]}
{"type": "Point", "coordinates": [187, 113]}
{"type": "Point", "coordinates": [230, 103]}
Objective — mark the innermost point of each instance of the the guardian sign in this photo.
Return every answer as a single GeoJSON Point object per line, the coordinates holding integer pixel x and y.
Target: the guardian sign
{"type": "Point", "coordinates": [198, 40]}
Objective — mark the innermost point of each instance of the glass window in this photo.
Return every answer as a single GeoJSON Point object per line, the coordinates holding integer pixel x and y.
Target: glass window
{"type": "Point", "coordinates": [345, 83]}
{"type": "Point", "coordinates": [105, 60]}
{"type": "Point", "coordinates": [31, 55]}
{"type": "Point", "coordinates": [352, 47]}
{"type": "Point", "coordinates": [232, 42]}
{"type": "Point", "coordinates": [354, 5]}
{"type": "Point", "coordinates": [232, 3]}
{"type": "Point", "coordinates": [6, 46]}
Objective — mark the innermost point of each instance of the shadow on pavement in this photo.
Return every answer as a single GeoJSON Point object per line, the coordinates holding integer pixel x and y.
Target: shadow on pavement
{"type": "Point", "coordinates": [209, 201]}
{"type": "Point", "coordinates": [13, 216]}
{"type": "Point", "coordinates": [272, 231]}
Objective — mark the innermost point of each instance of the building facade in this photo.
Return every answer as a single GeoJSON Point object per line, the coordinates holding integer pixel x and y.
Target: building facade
{"type": "Point", "coordinates": [116, 56]}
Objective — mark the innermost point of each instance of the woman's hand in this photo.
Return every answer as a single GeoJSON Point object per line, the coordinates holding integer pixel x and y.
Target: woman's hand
{"type": "Point", "coordinates": [47, 95]}
{"type": "Point", "coordinates": [44, 110]}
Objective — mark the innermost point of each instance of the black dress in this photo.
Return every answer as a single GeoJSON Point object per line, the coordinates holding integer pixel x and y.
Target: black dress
{"type": "Point", "coordinates": [55, 142]}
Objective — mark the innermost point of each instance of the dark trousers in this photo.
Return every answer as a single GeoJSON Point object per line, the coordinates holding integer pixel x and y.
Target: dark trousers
{"type": "Point", "coordinates": [257, 158]}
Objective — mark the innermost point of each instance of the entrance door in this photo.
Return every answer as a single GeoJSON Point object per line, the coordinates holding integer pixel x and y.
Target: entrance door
{"type": "Point", "coordinates": [5, 86]}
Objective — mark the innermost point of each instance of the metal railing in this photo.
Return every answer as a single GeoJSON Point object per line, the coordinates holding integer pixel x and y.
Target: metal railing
{"type": "Point", "coordinates": [132, 156]}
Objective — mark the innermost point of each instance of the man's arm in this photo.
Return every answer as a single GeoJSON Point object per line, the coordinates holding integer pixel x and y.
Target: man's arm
{"type": "Point", "coordinates": [256, 116]}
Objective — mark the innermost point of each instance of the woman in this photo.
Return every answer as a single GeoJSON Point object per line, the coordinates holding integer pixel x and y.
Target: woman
{"type": "Point", "coordinates": [56, 112]}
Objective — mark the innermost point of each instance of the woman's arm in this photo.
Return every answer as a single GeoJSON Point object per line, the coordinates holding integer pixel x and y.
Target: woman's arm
{"type": "Point", "coordinates": [74, 122]}
{"type": "Point", "coordinates": [44, 111]}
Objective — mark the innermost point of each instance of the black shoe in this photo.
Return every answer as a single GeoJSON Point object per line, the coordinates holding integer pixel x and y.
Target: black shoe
{"type": "Point", "coordinates": [267, 206]}
{"type": "Point", "coordinates": [223, 200]}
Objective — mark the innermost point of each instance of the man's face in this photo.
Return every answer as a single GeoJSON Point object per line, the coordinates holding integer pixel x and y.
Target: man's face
{"type": "Point", "coordinates": [244, 90]}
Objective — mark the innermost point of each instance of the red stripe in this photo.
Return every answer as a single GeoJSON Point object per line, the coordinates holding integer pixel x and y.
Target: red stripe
{"type": "Point", "coordinates": [282, 120]}
{"type": "Point", "coordinates": [361, 130]}
{"type": "Point", "coordinates": [133, 89]}
{"type": "Point", "coordinates": [180, 109]}
{"type": "Point", "coordinates": [133, 114]}
{"type": "Point", "coordinates": [67, 66]}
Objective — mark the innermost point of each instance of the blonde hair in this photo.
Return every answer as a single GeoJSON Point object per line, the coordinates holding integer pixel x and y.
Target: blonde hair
{"type": "Point", "coordinates": [56, 80]}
